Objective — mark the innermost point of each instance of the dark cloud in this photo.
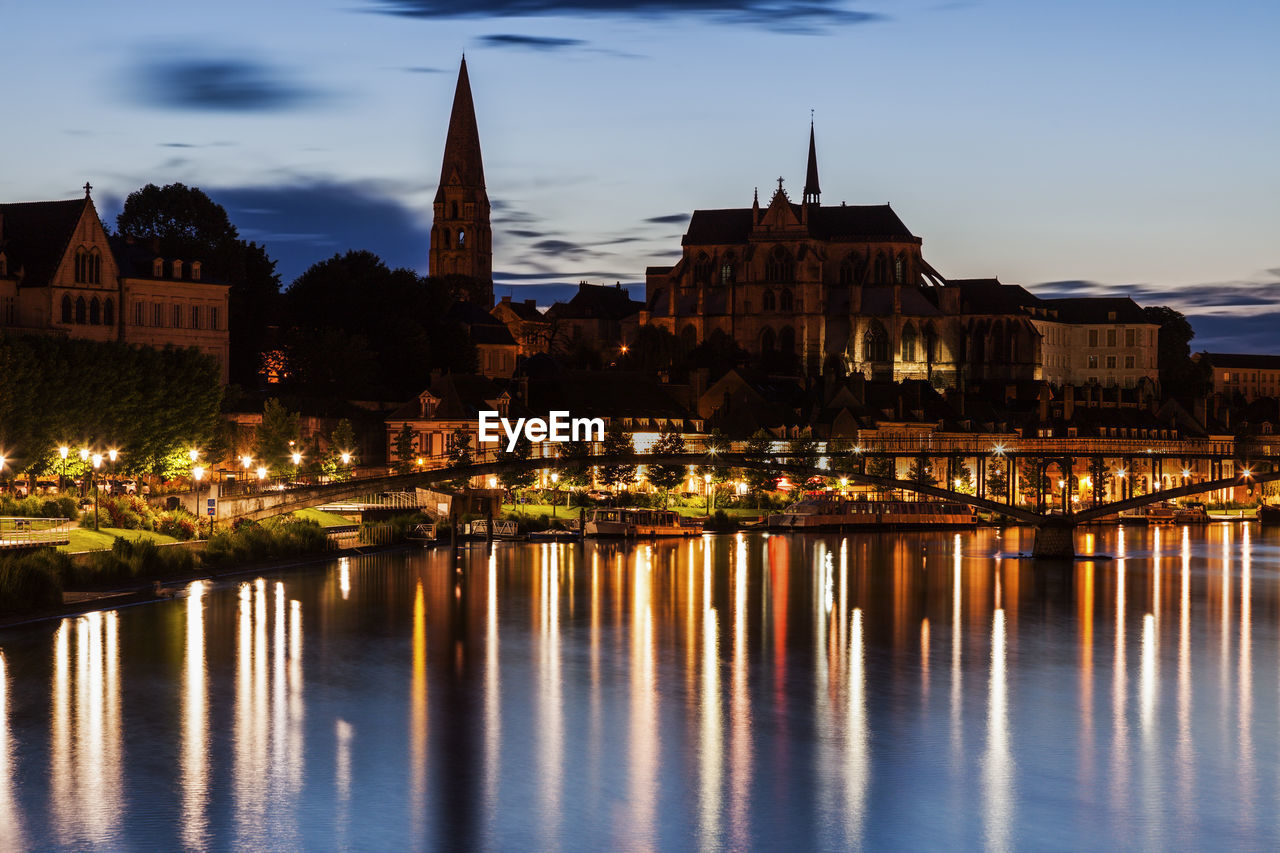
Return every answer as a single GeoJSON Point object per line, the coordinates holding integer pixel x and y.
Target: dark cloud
{"type": "Point", "coordinates": [561, 249]}
{"type": "Point", "coordinates": [669, 219]}
{"type": "Point", "coordinates": [530, 42]}
{"type": "Point", "coordinates": [520, 232]}
{"type": "Point", "coordinates": [223, 84]}
{"type": "Point", "coordinates": [781, 15]}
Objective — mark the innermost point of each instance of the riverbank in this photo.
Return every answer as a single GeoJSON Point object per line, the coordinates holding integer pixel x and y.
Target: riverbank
{"type": "Point", "coordinates": [78, 602]}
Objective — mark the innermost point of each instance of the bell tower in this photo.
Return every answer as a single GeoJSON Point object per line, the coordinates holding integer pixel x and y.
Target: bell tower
{"type": "Point", "coordinates": [461, 239]}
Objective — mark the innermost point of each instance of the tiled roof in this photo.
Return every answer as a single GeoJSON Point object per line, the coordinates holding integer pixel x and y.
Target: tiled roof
{"type": "Point", "coordinates": [36, 235]}
{"type": "Point", "coordinates": [847, 221]}
{"type": "Point", "coordinates": [1096, 309]}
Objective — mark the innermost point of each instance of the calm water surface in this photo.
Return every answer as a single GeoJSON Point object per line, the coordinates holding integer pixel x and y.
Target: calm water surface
{"type": "Point", "coordinates": [921, 691]}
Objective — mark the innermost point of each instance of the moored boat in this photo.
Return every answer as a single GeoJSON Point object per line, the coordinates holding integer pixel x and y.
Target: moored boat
{"type": "Point", "coordinates": [635, 522]}
{"type": "Point", "coordinates": [1269, 515]}
{"type": "Point", "coordinates": [828, 513]}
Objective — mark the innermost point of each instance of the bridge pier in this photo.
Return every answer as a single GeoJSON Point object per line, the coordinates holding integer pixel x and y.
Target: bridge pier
{"type": "Point", "coordinates": [1055, 540]}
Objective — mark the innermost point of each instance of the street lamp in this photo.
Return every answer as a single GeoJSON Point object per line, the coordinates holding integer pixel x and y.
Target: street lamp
{"type": "Point", "coordinates": [706, 479]}
{"type": "Point", "coordinates": [262, 473]}
{"type": "Point", "coordinates": [555, 490]}
{"type": "Point", "coordinates": [84, 457]}
{"type": "Point", "coordinates": [297, 460]}
{"type": "Point", "coordinates": [97, 463]}
{"type": "Point", "coordinates": [62, 478]}
{"type": "Point", "coordinates": [198, 473]}
{"type": "Point", "coordinates": [112, 454]}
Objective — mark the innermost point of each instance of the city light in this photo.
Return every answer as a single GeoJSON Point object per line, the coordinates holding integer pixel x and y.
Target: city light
{"type": "Point", "coordinates": [297, 458]}
{"type": "Point", "coordinates": [63, 451]}
{"type": "Point", "coordinates": [194, 454]}
{"type": "Point", "coordinates": [84, 454]}
{"type": "Point", "coordinates": [262, 472]}
{"type": "Point", "coordinates": [112, 454]}
{"type": "Point", "coordinates": [998, 450]}
{"type": "Point", "coordinates": [247, 462]}
{"type": "Point", "coordinates": [198, 473]}
{"type": "Point", "coordinates": [346, 458]}
{"type": "Point", "coordinates": [1121, 473]}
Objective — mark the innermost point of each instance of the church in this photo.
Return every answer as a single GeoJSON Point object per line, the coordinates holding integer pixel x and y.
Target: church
{"type": "Point", "coordinates": [814, 289]}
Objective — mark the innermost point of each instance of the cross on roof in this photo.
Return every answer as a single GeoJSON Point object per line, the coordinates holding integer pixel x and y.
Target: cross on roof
{"type": "Point", "coordinates": [87, 186]}
{"type": "Point", "coordinates": [779, 183]}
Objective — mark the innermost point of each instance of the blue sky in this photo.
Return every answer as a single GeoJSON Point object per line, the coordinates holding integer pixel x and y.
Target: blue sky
{"type": "Point", "coordinates": [1111, 146]}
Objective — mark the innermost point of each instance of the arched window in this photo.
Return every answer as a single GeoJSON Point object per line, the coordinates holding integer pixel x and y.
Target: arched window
{"type": "Point", "coordinates": [66, 308]}
{"type": "Point", "coordinates": [767, 302]}
{"type": "Point", "coordinates": [702, 269]}
{"type": "Point", "coordinates": [95, 312]}
{"type": "Point", "coordinates": [82, 266]}
{"type": "Point", "coordinates": [875, 343]}
{"type": "Point", "coordinates": [787, 341]}
{"type": "Point", "coordinates": [766, 341]}
{"type": "Point", "coordinates": [899, 267]}
{"type": "Point", "coordinates": [779, 266]}
{"type": "Point", "coordinates": [930, 344]}
{"type": "Point", "coordinates": [847, 271]}
{"type": "Point", "coordinates": [81, 310]}
{"type": "Point", "coordinates": [726, 270]}
{"type": "Point", "coordinates": [462, 239]}
{"type": "Point", "coordinates": [453, 211]}
{"type": "Point", "coordinates": [909, 343]}
{"type": "Point", "coordinates": [785, 302]}
{"type": "Point", "coordinates": [109, 313]}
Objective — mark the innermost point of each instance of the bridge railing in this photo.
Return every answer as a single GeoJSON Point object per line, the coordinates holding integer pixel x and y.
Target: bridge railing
{"type": "Point", "coordinates": [34, 532]}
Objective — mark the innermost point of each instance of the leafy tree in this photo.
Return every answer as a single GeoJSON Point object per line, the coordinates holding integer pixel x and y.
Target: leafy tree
{"type": "Point", "coordinates": [522, 450]}
{"type": "Point", "coordinates": [403, 448]}
{"type": "Point", "coordinates": [277, 436]}
{"type": "Point", "coordinates": [577, 475]}
{"type": "Point", "coordinates": [997, 479]}
{"type": "Point", "coordinates": [667, 477]}
{"type": "Point", "coordinates": [460, 455]}
{"type": "Point", "coordinates": [342, 440]}
{"type": "Point", "coordinates": [921, 470]}
{"type": "Point", "coordinates": [617, 441]}
{"type": "Point", "coordinates": [962, 478]}
{"type": "Point", "coordinates": [1033, 481]}
{"type": "Point", "coordinates": [760, 449]}
{"type": "Point", "coordinates": [189, 225]}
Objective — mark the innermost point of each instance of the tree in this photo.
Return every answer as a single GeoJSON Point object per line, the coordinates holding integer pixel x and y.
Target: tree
{"type": "Point", "coordinates": [921, 470]}
{"type": "Point", "coordinates": [617, 441]}
{"type": "Point", "coordinates": [885, 467]}
{"type": "Point", "coordinates": [997, 479]}
{"type": "Point", "coordinates": [189, 225]}
{"type": "Point", "coordinates": [667, 477]}
{"type": "Point", "coordinates": [962, 477]}
{"type": "Point", "coordinates": [342, 440]}
{"type": "Point", "coordinates": [521, 479]}
{"type": "Point", "coordinates": [760, 449]}
{"type": "Point", "coordinates": [404, 450]}
{"type": "Point", "coordinates": [1033, 481]}
{"type": "Point", "coordinates": [575, 475]}
{"type": "Point", "coordinates": [460, 455]}
{"type": "Point", "coordinates": [278, 434]}
{"type": "Point", "coordinates": [1178, 373]}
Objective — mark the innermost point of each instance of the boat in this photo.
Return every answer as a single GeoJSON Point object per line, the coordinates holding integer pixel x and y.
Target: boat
{"type": "Point", "coordinates": [624, 522]}
{"type": "Point", "coordinates": [1269, 515]}
{"type": "Point", "coordinates": [832, 513]}
{"type": "Point", "coordinates": [1161, 514]}
{"type": "Point", "coordinates": [1192, 513]}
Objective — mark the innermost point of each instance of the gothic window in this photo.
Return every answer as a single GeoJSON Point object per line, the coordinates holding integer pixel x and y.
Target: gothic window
{"type": "Point", "coordinates": [898, 267]}
{"type": "Point", "coordinates": [785, 301]}
{"type": "Point", "coordinates": [768, 303]}
{"type": "Point", "coordinates": [779, 266]}
{"type": "Point", "coordinates": [702, 269]}
{"type": "Point", "coordinates": [766, 341]}
{"type": "Point", "coordinates": [453, 211]}
{"type": "Point", "coordinates": [66, 309]}
{"type": "Point", "coordinates": [81, 310]}
{"type": "Point", "coordinates": [787, 341]}
{"type": "Point", "coordinates": [462, 239]}
{"type": "Point", "coordinates": [875, 343]}
{"type": "Point", "coordinates": [82, 266]}
{"type": "Point", "coordinates": [95, 312]}
{"type": "Point", "coordinates": [847, 271]}
{"type": "Point", "coordinates": [726, 271]}
{"type": "Point", "coordinates": [109, 313]}
{"type": "Point", "coordinates": [882, 269]}
{"type": "Point", "coordinates": [909, 343]}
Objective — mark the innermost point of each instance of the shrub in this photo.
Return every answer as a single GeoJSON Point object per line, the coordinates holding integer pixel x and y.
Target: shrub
{"type": "Point", "coordinates": [283, 537]}
{"type": "Point", "coordinates": [129, 560]}
{"type": "Point", "coordinates": [177, 523]}
{"type": "Point", "coordinates": [32, 581]}
{"type": "Point", "coordinates": [720, 521]}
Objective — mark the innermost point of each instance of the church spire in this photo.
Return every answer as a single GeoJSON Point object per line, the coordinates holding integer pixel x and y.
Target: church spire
{"type": "Point", "coordinates": [460, 232]}
{"type": "Point", "coordinates": [811, 188]}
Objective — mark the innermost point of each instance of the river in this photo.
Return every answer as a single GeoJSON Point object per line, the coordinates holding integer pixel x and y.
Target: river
{"type": "Point", "coordinates": [821, 692]}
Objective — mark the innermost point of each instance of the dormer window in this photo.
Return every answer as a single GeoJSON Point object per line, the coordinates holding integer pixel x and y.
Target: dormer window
{"type": "Point", "coordinates": [195, 270]}
{"type": "Point", "coordinates": [177, 269]}
{"type": "Point", "coordinates": [157, 268]}
{"type": "Point", "coordinates": [427, 404]}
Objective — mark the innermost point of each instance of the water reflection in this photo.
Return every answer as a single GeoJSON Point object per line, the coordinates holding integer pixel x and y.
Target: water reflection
{"type": "Point", "coordinates": [726, 692]}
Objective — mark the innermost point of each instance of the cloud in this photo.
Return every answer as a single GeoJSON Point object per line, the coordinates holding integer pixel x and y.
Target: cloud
{"type": "Point", "coordinates": [422, 69]}
{"type": "Point", "coordinates": [520, 232]}
{"type": "Point", "coordinates": [530, 42]}
{"type": "Point", "coordinates": [218, 84]}
{"type": "Point", "coordinates": [796, 16]}
{"type": "Point", "coordinates": [669, 219]}
{"type": "Point", "coordinates": [561, 249]}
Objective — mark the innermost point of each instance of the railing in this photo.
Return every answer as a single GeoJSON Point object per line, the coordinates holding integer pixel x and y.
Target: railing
{"type": "Point", "coordinates": [34, 532]}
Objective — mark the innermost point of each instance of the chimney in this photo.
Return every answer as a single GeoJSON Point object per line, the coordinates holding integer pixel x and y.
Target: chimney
{"type": "Point", "coordinates": [507, 298]}
{"type": "Point", "coordinates": [1069, 402]}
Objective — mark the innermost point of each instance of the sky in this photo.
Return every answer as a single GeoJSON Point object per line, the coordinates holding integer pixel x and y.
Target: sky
{"type": "Point", "coordinates": [1119, 147]}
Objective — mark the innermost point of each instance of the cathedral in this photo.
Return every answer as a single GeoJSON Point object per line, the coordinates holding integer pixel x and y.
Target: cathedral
{"type": "Point", "coordinates": [461, 239]}
{"type": "Point", "coordinates": [812, 289]}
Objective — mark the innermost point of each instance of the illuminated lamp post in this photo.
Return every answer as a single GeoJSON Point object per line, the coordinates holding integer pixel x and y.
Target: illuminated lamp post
{"type": "Point", "coordinates": [97, 463]}
{"type": "Point", "coordinates": [198, 473]}
{"type": "Point", "coordinates": [112, 454]}
{"type": "Point", "coordinates": [62, 478]}
{"type": "Point", "coordinates": [262, 473]}
{"type": "Point", "coordinates": [555, 489]}
{"type": "Point", "coordinates": [706, 479]}
{"type": "Point", "coordinates": [297, 460]}
{"type": "Point", "coordinates": [84, 457]}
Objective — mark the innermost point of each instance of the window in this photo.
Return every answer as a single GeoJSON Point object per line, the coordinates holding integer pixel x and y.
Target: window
{"type": "Point", "coordinates": [909, 343]}
{"type": "Point", "coordinates": [768, 303]}
{"type": "Point", "coordinates": [1093, 337]}
{"type": "Point", "coordinates": [785, 302]}
{"type": "Point", "coordinates": [66, 313]}
{"type": "Point", "coordinates": [882, 269]}
{"type": "Point", "coordinates": [1093, 361]}
{"type": "Point", "coordinates": [1130, 337]}
{"type": "Point", "coordinates": [766, 341]}
{"type": "Point", "coordinates": [195, 270]}
{"type": "Point", "coordinates": [95, 268]}
{"type": "Point", "coordinates": [1111, 362]}
{"type": "Point", "coordinates": [195, 316]}
{"type": "Point", "coordinates": [82, 265]}
{"type": "Point", "coordinates": [177, 269]}
{"type": "Point", "coordinates": [1129, 361]}
{"type": "Point", "coordinates": [779, 266]}
{"type": "Point", "coordinates": [213, 318]}
{"type": "Point", "coordinates": [81, 310]}
{"type": "Point", "coordinates": [898, 266]}
{"type": "Point", "coordinates": [875, 343]}
{"type": "Point", "coordinates": [453, 210]}
{"type": "Point", "coordinates": [157, 268]}
{"type": "Point", "coordinates": [109, 313]}
{"type": "Point", "coordinates": [726, 272]}
{"type": "Point", "coordinates": [139, 314]}
{"type": "Point", "coordinates": [177, 316]}
{"type": "Point", "coordinates": [157, 314]}
{"type": "Point", "coordinates": [702, 269]}
{"type": "Point", "coordinates": [462, 239]}
{"type": "Point", "coordinates": [1111, 337]}
{"type": "Point", "coordinates": [95, 312]}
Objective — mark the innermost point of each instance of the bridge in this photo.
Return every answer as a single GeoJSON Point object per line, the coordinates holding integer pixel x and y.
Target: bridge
{"type": "Point", "coordinates": [1054, 528]}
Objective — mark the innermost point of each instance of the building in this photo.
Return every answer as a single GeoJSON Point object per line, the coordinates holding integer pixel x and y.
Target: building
{"type": "Point", "coordinates": [60, 274]}
{"type": "Point", "coordinates": [592, 319]}
{"type": "Point", "coordinates": [530, 329]}
{"type": "Point", "coordinates": [461, 238]}
{"type": "Point", "coordinates": [453, 402]}
{"type": "Point", "coordinates": [812, 289]}
{"type": "Point", "coordinates": [496, 349]}
{"type": "Point", "coordinates": [1249, 376]}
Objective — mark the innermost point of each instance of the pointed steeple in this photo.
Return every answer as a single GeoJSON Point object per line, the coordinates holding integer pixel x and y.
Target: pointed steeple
{"type": "Point", "coordinates": [460, 233]}
{"type": "Point", "coordinates": [462, 161]}
{"type": "Point", "coordinates": [811, 188]}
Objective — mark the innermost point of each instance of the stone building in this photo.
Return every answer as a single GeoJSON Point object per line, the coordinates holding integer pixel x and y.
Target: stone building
{"type": "Point", "coordinates": [1249, 376]}
{"type": "Point", "coordinates": [814, 289]}
{"type": "Point", "coordinates": [461, 238]}
{"type": "Point", "coordinates": [61, 274]}
{"type": "Point", "coordinates": [527, 325]}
